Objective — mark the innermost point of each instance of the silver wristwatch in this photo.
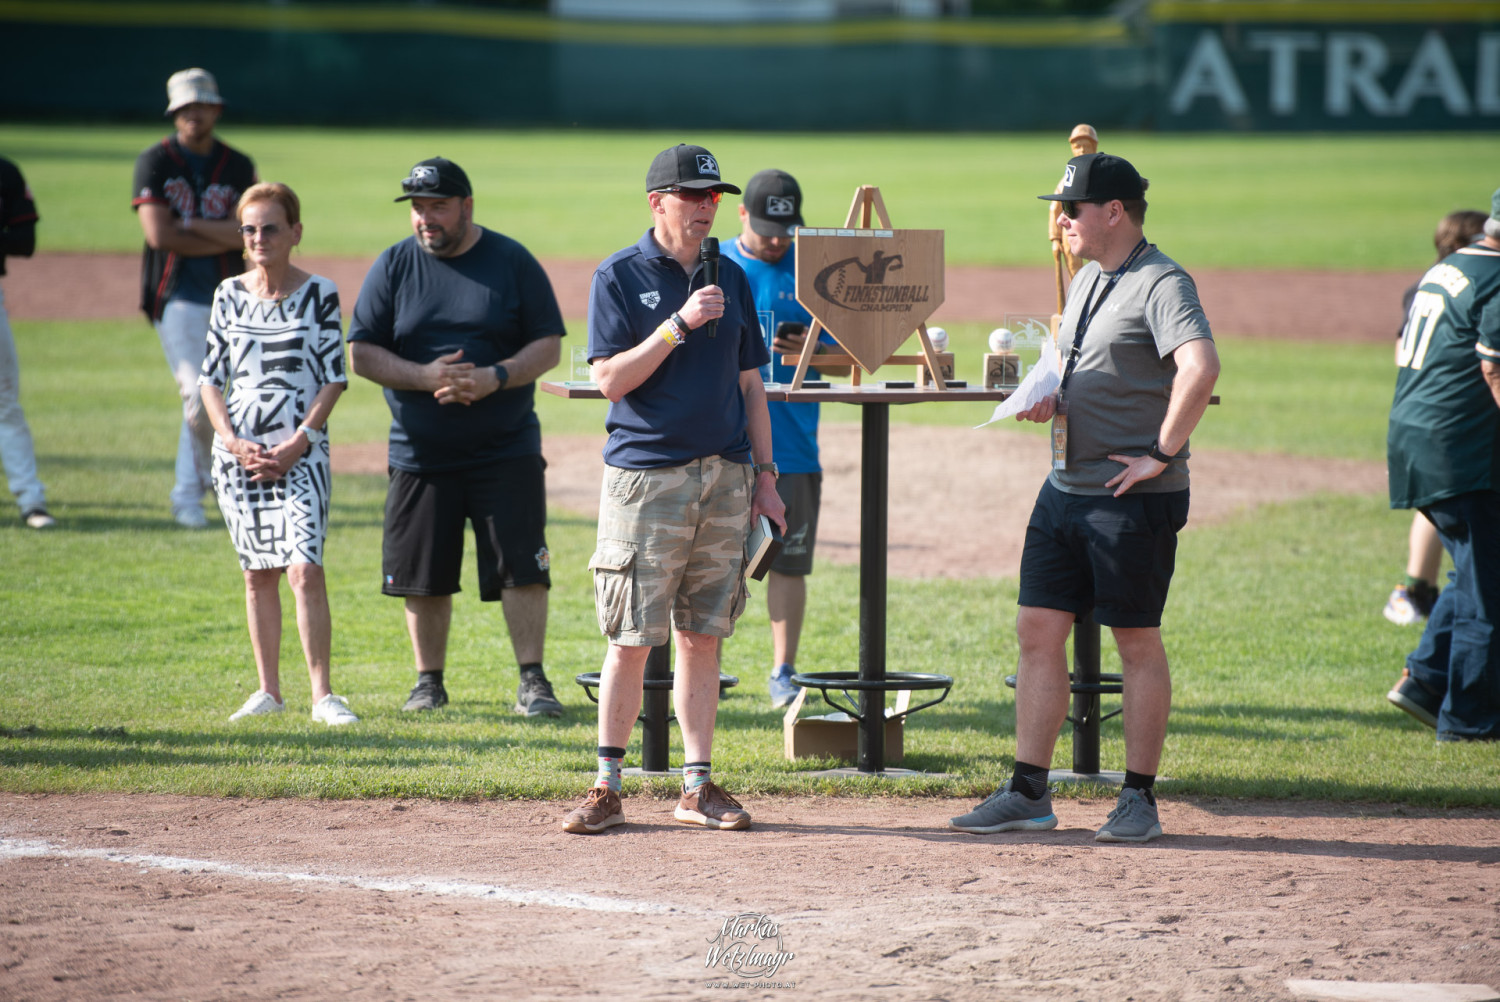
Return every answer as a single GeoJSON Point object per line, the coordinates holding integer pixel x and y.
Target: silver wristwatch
{"type": "Point", "coordinates": [314, 435]}
{"type": "Point", "coordinates": [770, 468]}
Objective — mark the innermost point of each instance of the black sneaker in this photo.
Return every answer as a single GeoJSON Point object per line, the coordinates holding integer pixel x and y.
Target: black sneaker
{"type": "Point", "coordinates": [534, 696]}
{"type": "Point", "coordinates": [427, 694]}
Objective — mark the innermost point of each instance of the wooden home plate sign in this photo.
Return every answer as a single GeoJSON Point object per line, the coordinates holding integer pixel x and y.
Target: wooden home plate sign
{"type": "Point", "coordinates": [869, 288]}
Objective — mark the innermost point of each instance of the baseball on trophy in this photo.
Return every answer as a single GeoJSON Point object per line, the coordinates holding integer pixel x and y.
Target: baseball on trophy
{"type": "Point", "coordinates": [1001, 340]}
{"type": "Point", "coordinates": [938, 337]}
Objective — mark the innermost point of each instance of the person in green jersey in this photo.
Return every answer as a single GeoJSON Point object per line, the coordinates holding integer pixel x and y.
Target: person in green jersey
{"type": "Point", "coordinates": [1443, 455]}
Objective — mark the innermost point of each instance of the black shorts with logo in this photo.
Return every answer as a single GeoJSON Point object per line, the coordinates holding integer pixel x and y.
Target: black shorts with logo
{"type": "Point", "coordinates": [1102, 554]}
{"type": "Point", "coordinates": [506, 503]}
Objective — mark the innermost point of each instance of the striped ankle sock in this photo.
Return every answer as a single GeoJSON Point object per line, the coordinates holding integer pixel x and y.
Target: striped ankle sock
{"type": "Point", "coordinates": [610, 761]}
{"type": "Point", "coordinates": [695, 774]}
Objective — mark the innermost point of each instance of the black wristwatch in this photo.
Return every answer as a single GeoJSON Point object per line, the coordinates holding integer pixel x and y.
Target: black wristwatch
{"type": "Point", "coordinates": [502, 374]}
{"type": "Point", "coordinates": [1161, 457]}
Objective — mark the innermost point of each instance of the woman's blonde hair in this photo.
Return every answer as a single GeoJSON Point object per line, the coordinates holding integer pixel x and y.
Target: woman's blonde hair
{"type": "Point", "coordinates": [271, 191]}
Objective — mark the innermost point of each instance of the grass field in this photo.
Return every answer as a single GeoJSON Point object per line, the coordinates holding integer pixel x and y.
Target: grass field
{"type": "Point", "coordinates": [1307, 201]}
{"type": "Point", "coordinates": [123, 647]}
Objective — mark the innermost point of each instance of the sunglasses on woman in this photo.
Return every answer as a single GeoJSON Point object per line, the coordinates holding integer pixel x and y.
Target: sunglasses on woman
{"type": "Point", "coordinates": [268, 230]}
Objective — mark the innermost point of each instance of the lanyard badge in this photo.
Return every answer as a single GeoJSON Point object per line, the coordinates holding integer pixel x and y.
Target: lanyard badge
{"type": "Point", "coordinates": [1090, 309]}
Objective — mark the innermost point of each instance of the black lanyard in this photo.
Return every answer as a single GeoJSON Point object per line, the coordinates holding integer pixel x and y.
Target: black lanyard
{"type": "Point", "coordinates": [1087, 316]}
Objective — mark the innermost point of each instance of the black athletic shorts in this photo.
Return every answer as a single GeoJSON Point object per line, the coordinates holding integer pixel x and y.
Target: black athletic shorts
{"type": "Point", "coordinates": [1112, 556]}
{"type": "Point", "coordinates": [425, 513]}
{"type": "Point", "coordinates": [802, 493]}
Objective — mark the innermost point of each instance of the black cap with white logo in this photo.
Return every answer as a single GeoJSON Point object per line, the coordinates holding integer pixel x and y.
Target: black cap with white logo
{"type": "Point", "coordinates": [685, 166]}
{"type": "Point", "coordinates": [774, 201]}
{"type": "Point", "coordinates": [1099, 177]}
{"type": "Point", "coordinates": [435, 178]}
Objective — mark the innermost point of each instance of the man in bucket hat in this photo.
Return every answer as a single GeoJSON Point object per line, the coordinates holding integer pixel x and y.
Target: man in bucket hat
{"type": "Point", "coordinates": [186, 190]}
{"type": "Point", "coordinates": [1103, 536]}
{"type": "Point", "coordinates": [457, 322]}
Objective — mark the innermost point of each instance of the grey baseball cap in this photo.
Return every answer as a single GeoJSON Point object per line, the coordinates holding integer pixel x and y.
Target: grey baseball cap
{"type": "Point", "coordinates": [684, 166]}
{"type": "Point", "coordinates": [773, 200]}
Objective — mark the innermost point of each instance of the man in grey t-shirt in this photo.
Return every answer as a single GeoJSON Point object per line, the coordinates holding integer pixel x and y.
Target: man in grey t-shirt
{"type": "Point", "coordinates": [1103, 535]}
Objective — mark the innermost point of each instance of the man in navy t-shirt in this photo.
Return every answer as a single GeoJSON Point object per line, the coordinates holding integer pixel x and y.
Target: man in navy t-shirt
{"type": "Point", "coordinates": [457, 322]}
{"type": "Point", "coordinates": [678, 356]}
{"type": "Point", "coordinates": [770, 213]}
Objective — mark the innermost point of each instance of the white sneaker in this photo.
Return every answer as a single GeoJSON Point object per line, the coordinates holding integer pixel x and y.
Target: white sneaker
{"type": "Point", "coordinates": [37, 518]}
{"type": "Point", "coordinates": [257, 705]}
{"type": "Point", "coordinates": [191, 518]}
{"type": "Point", "coordinates": [333, 711]}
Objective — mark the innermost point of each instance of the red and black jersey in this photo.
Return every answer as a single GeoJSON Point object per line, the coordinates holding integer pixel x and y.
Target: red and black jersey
{"type": "Point", "coordinates": [17, 214]}
{"type": "Point", "coordinates": [163, 177]}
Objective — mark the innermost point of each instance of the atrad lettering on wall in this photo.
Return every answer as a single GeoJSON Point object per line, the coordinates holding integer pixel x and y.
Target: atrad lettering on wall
{"type": "Point", "coordinates": [1300, 75]}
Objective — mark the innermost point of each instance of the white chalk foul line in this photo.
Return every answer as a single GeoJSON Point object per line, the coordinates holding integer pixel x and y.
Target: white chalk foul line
{"type": "Point", "coordinates": [13, 848]}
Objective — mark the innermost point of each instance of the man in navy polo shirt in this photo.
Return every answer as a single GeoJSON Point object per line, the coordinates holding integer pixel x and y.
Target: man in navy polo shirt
{"type": "Point", "coordinates": [457, 322]}
{"type": "Point", "coordinates": [679, 360]}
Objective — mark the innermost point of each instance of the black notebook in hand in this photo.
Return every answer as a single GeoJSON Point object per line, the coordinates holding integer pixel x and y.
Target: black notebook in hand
{"type": "Point", "coordinates": [765, 543]}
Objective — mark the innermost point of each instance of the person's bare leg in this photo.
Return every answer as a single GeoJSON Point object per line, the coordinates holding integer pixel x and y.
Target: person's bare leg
{"type": "Point", "coordinates": [263, 611]}
{"type": "Point", "coordinates": [525, 611]}
{"type": "Point", "coordinates": [314, 624]}
{"type": "Point", "coordinates": [695, 691]}
{"type": "Point", "coordinates": [786, 604]}
{"type": "Point", "coordinates": [1042, 691]}
{"type": "Point", "coordinates": [620, 693]}
{"type": "Point", "coordinates": [1147, 697]}
{"type": "Point", "coordinates": [427, 620]}
{"type": "Point", "coordinates": [1424, 555]}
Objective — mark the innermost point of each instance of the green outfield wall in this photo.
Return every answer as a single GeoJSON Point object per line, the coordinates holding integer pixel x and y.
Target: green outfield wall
{"type": "Point", "coordinates": [1177, 64]}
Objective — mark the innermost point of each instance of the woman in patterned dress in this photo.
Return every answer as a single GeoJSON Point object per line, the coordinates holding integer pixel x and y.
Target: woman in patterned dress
{"type": "Point", "coordinates": [274, 343]}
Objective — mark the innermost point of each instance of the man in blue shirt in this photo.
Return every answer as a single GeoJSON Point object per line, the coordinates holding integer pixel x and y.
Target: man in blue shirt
{"type": "Point", "coordinates": [679, 359]}
{"type": "Point", "coordinates": [457, 322]}
{"type": "Point", "coordinates": [770, 213]}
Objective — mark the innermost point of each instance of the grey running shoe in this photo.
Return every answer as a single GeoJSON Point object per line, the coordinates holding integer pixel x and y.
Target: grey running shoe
{"type": "Point", "coordinates": [534, 696]}
{"type": "Point", "coordinates": [427, 694]}
{"type": "Point", "coordinates": [600, 809]}
{"type": "Point", "coordinates": [1007, 810]}
{"type": "Point", "coordinates": [1133, 819]}
{"type": "Point", "coordinates": [1408, 694]}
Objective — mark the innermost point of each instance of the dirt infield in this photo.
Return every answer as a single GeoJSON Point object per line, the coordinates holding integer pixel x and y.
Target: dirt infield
{"type": "Point", "coordinates": [169, 897]}
{"type": "Point", "coordinates": [1350, 306]}
{"type": "Point", "coordinates": [139, 896]}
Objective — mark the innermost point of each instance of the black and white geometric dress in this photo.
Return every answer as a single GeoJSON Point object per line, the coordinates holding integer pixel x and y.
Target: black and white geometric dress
{"type": "Point", "coordinates": [270, 359]}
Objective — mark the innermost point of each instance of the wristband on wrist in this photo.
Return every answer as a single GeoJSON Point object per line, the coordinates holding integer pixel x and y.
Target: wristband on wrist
{"type": "Point", "coordinates": [670, 334]}
{"type": "Point", "coordinates": [682, 325]}
{"type": "Point", "coordinates": [1155, 453]}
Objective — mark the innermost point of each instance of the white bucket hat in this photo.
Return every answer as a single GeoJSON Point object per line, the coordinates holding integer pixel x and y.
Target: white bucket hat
{"type": "Point", "coordinates": [194, 86]}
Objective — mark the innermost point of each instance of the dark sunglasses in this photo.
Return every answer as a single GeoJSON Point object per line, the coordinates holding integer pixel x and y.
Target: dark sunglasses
{"type": "Point", "coordinates": [1070, 209]}
{"type": "Point", "coordinates": [694, 194]}
{"type": "Point", "coordinates": [268, 230]}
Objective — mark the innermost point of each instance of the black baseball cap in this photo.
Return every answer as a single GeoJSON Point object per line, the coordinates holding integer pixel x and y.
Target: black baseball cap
{"type": "Point", "coordinates": [1098, 177]}
{"type": "Point", "coordinates": [435, 178]}
{"type": "Point", "coordinates": [685, 166]}
{"type": "Point", "coordinates": [774, 201]}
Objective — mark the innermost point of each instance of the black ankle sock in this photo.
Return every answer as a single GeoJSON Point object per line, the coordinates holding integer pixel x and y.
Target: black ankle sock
{"type": "Point", "coordinates": [1143, 782]}
{"type": "Point", "coordinates": [1030, 780]}
{"type": "Point", "coordinates": [434, 676]}
{"type": "Point", "coordinates": [532, 666]}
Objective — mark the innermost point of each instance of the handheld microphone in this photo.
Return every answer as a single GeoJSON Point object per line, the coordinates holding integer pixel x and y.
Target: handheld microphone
{"type": "Point", "coordinates": [708, 253]}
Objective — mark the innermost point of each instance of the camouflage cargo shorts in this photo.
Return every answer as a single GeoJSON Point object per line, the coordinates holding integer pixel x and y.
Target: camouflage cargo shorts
{"type": "Point", "coordinates": [671, 550]}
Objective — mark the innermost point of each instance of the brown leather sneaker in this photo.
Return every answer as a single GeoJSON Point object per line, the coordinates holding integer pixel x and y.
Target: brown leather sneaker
{"type": "Point", "coordinates": [600, 809]}
{"type": "Point", "coordinates": [711, 807]}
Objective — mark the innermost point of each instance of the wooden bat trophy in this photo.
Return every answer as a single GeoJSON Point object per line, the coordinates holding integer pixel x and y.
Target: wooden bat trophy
{"type": "Point", "coordinates": [1083, 139]}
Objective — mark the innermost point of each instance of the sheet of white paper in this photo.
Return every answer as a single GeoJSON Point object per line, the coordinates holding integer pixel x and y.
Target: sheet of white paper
{"type": "Point", "coordinates": [1040, 383]}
